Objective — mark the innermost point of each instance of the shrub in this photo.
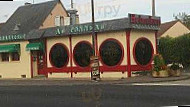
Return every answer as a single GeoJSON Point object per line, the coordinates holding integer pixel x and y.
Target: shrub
{"type": "Point", "coordinates": [159, 63]}
{"type": "Point", "coordinates": [176, 49]}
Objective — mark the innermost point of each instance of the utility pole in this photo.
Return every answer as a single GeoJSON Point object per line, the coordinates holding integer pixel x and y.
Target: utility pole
{"type": "Point", "coordinates": [93, 28]}
{"type": "Point", "coordinates": [71, 4]}
{"type": "Point", "coordinates": [95, 73]}
{"type": "Point", "coordinates": [153, 8]}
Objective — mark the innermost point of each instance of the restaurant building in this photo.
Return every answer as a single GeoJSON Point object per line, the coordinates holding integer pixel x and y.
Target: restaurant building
{"type": "Point", "coordinates": [33, 42]}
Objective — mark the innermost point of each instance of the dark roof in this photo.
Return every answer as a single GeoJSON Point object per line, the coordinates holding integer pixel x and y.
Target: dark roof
{"type": "Point", "coordinates": [166, 26]}
{"type": "Point", "coordinates": [107, 26]}
{"type": "Point", "coordinates": [29, 17]}
{"type": "Point", "coordinates": [1, 24]}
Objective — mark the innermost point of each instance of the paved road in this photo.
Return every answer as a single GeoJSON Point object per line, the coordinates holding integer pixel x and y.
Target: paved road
{"type": "Point", "coordinates": [94, 96]}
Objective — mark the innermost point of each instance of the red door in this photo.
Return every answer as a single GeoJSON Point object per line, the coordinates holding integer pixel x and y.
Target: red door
{"type": "Point", "coordinates": [41, 63]}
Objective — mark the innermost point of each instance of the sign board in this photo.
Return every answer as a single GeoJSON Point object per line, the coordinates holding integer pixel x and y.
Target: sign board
{"type": "Point", "coordinates": [78, 29]}
{"type": "Point", "coordinates": [144, 20]}
{"type": "Point", "coordinates": [95, 72]}
{"type": "Point", "coordinates": [12, 37]}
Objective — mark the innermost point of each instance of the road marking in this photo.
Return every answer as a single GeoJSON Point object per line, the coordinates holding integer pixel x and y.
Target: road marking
{"type": "Point", "coordinates": [159, 84]}
{"type": "Point", "coordinates": [153, 84]}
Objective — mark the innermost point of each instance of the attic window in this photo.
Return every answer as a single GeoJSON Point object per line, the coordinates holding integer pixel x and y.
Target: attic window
{"type": "Point", "coordinates": [59, 21]}
{"type": "Point", "coordinates": [17, 27]}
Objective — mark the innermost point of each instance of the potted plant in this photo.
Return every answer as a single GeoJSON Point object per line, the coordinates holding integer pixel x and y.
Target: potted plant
{"type": "Point", "coordinates": [175, 69]}
{"type": "Point", "coordinates": [159, 67]}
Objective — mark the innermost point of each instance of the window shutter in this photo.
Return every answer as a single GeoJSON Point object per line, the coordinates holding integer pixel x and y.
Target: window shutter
{"type": "Point", "coordinates": [66, 20]}
{"type": "Point", "coordinates": [57, 20]}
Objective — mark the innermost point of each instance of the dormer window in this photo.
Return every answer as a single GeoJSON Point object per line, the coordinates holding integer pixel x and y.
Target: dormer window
{"type": "Point", "coordinates": [59, 21]}
{"type": "Point", "coordinates": [17, 27]}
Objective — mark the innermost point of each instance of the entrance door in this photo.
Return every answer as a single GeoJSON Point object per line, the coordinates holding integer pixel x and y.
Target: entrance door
{"type": "Point", "coordinates": [34, 63]}
{"type": "Point", "coordinates": [37, 63]}
{"type": "Point", "coordinates": [41, 63]}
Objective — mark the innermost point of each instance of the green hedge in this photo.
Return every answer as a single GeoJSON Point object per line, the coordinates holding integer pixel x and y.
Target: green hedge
{"type": "Point", "coordinates": [175, 49]}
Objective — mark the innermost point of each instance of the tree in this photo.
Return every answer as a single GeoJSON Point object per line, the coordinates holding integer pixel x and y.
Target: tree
{"type": "Point", "coordinates": [184, 18]}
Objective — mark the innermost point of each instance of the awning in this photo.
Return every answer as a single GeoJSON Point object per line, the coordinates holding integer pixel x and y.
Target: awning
{"type": "Point", "coordinates": [34, 46]}
{"type": "Point", "coordinates": [9, 48]}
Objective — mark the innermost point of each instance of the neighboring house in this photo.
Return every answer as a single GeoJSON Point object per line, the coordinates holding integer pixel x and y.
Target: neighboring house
{"type": "Point", "coordinates": [173, 29]}
{"type": "Point", "coordinates": [25, 19]}
{"type": "Point", "coordinates": [35, 16]}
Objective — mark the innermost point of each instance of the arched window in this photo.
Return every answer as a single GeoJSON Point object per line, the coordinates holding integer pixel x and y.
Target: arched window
{"type": "Point", "coordinates": [82, 53]}
{"type": "Point", "coordinates": [143, 51]}
{"type": "Point", "coordinates": [111, 52]}
{"type": "Point", "coordinates": [59, 55]}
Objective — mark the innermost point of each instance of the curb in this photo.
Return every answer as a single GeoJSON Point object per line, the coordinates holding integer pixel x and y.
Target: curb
{"type": "Point", "coordinates": [128, 81]}
{"type": "Point", "coordinates": [156, 81]}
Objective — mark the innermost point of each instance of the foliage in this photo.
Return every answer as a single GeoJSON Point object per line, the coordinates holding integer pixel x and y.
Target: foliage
{"type": "Point", "coordinates": [176, 50]}
{"type": "Point", "coordinates": [165, 48]}
{"type": "Point", "coordinates": [184, 18]}
{"type": "Point", "coordinates": [159, 63]}
{"type": "Point", "coordinates": [175, 66]}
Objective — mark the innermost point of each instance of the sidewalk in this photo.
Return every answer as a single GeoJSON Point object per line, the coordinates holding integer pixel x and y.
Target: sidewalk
{"type": "Point", "coordinates": [71, 82]}
{"type": "Point", "coordinates": [150, 79]}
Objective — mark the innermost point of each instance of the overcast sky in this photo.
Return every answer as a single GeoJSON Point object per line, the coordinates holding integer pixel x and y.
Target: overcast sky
{"type": "Point", "coordinates": [109, 9]}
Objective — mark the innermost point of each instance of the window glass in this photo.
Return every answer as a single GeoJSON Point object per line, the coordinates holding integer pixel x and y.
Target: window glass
{"type": "Point", "coordinates": [59, 21]}
{"type": "Point", "coordinates": [15, 56]}
{"type": "Point", "coordinates": [82, 53]}
{"type": "Point", "coordinates": [5, 57]}
{"type": "Point", "coordinates": [41, 60]}
{"type": "Point", "coordinates": [143, 52]}
{"type": "Point", "coordinates": [111, 52]}
{"type": "Point", "coordinates": [59, 56]}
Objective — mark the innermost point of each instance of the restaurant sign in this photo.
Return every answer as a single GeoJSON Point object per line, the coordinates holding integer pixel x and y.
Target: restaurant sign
{"type": "Point", "coordinates": [78, 29]}
{"type": "Point", "coordinates": [144, 20]}
{"type": "Point", "coordinates": [12, 37]}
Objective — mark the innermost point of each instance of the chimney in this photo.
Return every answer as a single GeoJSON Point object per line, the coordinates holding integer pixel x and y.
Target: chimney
{"type": "Point", "coordinates": [153, 8]}
{"type": "Point", "coordinates": [73, 16]}
{"type": "Point", "coordinates": [71, 3]}
{"type": "Point", "coordinates": [27, 3]}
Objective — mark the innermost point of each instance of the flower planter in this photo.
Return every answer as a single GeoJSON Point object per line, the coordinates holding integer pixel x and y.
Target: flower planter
{"type": "Point", "coordinates": [160, 74]}
{"type": "Point", "coordinates": [159, 68]}
{"type": "Point", "coordinates": [175, 73]}
{"type": "Point", "coordinates": [163, 74]}
{"type": "Point", "coordinates": [155, 74]}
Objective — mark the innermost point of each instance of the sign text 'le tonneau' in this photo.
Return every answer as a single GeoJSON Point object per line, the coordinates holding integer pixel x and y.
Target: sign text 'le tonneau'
{"type": "Point", "coordinates": [86, 28]}
{"type": "Point", "coordinates": [13, 37]}
{"type": "Point", "coordinates": [144, 20]}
